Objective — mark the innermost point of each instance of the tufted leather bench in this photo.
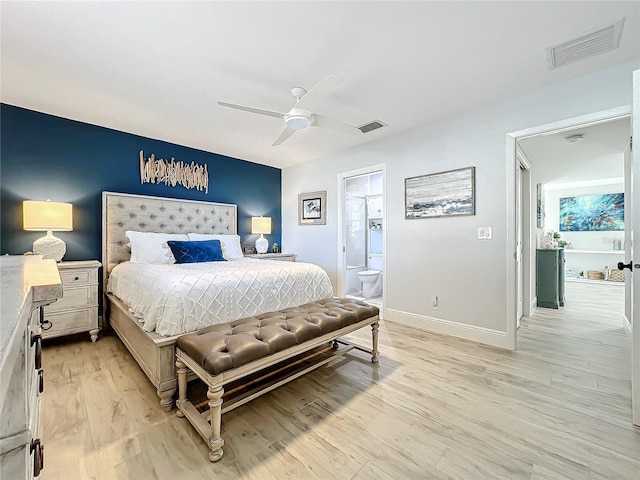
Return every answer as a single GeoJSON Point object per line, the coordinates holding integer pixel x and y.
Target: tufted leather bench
{"type": "Point", "coordinates": [224, 353]}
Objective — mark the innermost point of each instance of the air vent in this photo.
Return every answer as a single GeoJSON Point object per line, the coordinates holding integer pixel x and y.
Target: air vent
{"type": "Point", "coordinates": [594, 42]}
{"type": "Point", "coordinates": [374, 125]}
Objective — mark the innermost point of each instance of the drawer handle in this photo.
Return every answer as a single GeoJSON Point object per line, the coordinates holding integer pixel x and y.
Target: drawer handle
{"type": "Point", "coordinates": [38, 456]}
{"type": "Point", "coordinates": [76, 278]}
{"type": "Point", "coordinates": [40, 381]}
{"type": "Point", "coordinates": [37, 341]}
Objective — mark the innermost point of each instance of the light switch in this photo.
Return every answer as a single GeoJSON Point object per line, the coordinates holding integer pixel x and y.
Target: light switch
{"type": "Point", "coordinates": [484, 233]}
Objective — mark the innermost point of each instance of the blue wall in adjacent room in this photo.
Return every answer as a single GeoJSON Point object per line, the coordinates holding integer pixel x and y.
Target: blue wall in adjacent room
{"type": "Point", "coordinates": [47, 157]}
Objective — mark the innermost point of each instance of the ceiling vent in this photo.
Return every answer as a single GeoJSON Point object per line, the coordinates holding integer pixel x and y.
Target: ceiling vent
{"type": "Point", "coordinates": [369, 127]}
{"type": "Point", "coordinates": [603, 39]}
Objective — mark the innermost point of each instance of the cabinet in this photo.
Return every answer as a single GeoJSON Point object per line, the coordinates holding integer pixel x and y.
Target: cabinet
{"type": "Point", "coordinates": [283, 257]}
{"type": "Point", "coordinates": [77, 310]}
{"type": "Point", "coordinates": [550, 277]}
{"type": "Point", "coordinates": [27, 283]}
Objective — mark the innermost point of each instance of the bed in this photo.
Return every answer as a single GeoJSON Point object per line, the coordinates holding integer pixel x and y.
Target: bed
{"type": "Point", "coordinates": [256, 286]}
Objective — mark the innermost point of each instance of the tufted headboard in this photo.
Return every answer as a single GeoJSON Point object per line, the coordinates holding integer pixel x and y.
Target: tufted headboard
{"type": "Point", "coordinates": [122, 212]}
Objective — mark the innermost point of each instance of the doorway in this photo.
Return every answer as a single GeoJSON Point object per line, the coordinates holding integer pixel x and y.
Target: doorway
{"type": "Point", "coordinates": [564, 127]}
{"type": "Point", "coordinates": [361, 221]}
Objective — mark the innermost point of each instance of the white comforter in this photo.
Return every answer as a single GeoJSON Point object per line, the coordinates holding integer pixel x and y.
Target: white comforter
{"type": "Point", "coordinates": [176, 299]}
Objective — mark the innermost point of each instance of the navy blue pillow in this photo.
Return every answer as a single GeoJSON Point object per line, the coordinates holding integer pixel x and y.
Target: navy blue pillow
{"type": "Point", "coordinates": [196, 252]}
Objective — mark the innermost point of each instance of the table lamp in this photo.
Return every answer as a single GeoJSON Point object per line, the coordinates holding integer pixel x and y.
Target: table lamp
{"type": "Point", "coordinates": [261, 225]}
{"type": "Point", "coordinates": [48, 216]}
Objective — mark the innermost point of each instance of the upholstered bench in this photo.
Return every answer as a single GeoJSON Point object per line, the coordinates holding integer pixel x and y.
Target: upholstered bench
{"type": "Point", "coordinates": [272, 349]}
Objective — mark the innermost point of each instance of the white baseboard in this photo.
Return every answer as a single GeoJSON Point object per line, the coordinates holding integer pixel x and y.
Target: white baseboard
{"type": "Point", "coordinates": [487, 336]}
{"type": "Point", "coordinates": [626, 324]}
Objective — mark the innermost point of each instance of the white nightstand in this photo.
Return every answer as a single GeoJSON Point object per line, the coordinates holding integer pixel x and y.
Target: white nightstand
{"type": "Point", "coordinates": [77, 310]}
{"type": "Point", "coordinates": [283, 257]}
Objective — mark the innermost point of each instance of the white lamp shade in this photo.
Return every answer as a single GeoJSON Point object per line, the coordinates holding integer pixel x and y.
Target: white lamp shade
{"type": "Point", "coordinates": [47, 216]}
{"type": "Point", "coordinates": [261, 225]}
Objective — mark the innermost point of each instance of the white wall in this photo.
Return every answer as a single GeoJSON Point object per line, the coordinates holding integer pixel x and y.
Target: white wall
{"type": "Point", "coordinates": [443, 256]}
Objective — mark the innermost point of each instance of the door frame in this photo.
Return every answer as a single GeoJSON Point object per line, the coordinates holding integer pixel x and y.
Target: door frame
{"type": "Point", "coordinates": [524, 209]}
{"type": "Point", "coordinates": [635, 250]}
{"type": "Point", "coordinates": [512, 162]}
{"type": "Point", "coordinates": [380, 167]}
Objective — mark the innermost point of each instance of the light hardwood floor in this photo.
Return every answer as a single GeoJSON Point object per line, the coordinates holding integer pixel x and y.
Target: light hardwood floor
{"type": "Point", "coordinates": [435, 407]}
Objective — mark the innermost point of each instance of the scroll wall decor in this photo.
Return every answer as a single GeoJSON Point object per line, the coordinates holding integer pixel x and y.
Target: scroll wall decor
{"type": "Point", "coordinates": [173, 173]}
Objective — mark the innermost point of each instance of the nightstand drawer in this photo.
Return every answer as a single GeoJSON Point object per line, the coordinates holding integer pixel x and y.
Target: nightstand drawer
{"type": "Point", "coordinates": [74, 298]}
{"type": "Point", "coordinates": [78, 277]}
{"type": "Point", "coordinates": [70, 322]}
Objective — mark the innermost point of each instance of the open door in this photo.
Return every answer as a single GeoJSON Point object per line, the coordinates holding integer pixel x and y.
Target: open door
{"type": "Point", "coordinates": [633, 248]}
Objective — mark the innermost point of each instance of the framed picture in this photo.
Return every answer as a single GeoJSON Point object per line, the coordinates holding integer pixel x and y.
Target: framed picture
{"type": "Point", "coordinates": [540, 205]}
{"type": "Point", "coordinates": [444, 194]}
{"type": "Point", "coordinates": [312, 208]}
{"type": "Point", "coordinates": [589, 213]}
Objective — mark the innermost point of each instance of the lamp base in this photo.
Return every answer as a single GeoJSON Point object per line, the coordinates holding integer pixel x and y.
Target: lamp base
{"type": "Point", "coordinates": [262, 245]}
{"type": "Point", "coordinates": [50, 247]}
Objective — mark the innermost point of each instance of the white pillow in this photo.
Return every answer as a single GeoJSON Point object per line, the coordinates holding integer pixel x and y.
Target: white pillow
{"type": "Point", "coordinates": [150, 247]}
{"type": "Point", "coordinates": [231, 249]}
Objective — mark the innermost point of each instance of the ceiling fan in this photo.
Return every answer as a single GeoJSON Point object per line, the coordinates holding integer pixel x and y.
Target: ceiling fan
{"type": "Point", "coordinates": [302, 114]}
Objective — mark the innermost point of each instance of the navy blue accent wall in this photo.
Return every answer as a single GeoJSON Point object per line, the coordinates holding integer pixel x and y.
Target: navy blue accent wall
{"type": "Point", "coordinates": [47, 157]}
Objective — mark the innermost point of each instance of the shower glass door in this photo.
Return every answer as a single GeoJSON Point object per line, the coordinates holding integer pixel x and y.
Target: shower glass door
{"type": "Point", "coordinates": [356, 232]}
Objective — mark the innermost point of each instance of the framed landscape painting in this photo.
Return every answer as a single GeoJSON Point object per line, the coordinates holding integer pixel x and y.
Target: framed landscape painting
{"type": "Point", "coordinates": [312, 208]}
{"type": "Point", "coordinates": [444, 194]}
{"type": "Point", "coordinates": [592, 213]}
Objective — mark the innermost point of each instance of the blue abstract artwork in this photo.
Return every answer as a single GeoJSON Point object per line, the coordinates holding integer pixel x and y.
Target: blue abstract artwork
{"type": "Point", "coordinates": [592, 213]}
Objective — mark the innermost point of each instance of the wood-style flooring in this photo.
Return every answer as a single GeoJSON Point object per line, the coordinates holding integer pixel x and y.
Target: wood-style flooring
{"type": "Point", "coordinates": [434, 408]}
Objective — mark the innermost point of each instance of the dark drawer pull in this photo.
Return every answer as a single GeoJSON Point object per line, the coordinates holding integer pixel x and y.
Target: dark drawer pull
{"type": "Point", "coordinates": [38, 456]}
{"type": "Point", "coordinates": [37, 341]}
{"type": "Point", "coordinates": [76, 278]}
{"type": "Point", "coordinates": [40, 381]}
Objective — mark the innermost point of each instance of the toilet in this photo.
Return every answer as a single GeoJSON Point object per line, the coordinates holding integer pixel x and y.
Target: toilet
{"type": "Point", "coordinates": [372, 278]}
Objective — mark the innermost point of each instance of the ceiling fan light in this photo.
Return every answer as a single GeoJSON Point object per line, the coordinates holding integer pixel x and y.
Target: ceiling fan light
{"type": "Point", "coordinates": [298, 122]}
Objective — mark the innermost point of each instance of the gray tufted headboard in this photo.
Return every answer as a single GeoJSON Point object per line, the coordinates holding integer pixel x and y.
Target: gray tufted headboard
{"type": "Point", "coordinates": [122, 212]}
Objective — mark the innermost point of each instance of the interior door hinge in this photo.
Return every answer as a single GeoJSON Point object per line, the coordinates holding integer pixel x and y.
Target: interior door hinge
{"type": "Point", "coordinates": [631, 143]}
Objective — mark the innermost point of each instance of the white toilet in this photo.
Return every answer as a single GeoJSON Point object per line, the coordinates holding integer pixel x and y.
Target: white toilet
{"type": "Point", "coordinates": [372, 278]}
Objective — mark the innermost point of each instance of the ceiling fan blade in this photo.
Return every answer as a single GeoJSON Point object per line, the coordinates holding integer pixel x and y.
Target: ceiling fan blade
{"type": "Point", "coordinates": [260, 111]}
{"type": "Point", "coordinates": [327, 122]}
{"type": "Point", "coordinates": [284, 134]}
{"type": "Point", "coordinates": [314, 96]}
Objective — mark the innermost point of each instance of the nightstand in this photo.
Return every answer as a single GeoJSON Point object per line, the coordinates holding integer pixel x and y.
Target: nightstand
{"type": "Point", "coordinates": [77, 310]}
{"type": "Point", "coordinates": [283, 257]}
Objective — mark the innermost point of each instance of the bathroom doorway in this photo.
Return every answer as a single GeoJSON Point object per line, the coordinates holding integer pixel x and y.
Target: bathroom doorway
{"type": "Point", "coordinates": [362, 234]}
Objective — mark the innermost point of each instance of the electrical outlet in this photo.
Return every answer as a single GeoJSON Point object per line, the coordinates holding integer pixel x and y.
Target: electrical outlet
{"type": "Point", "coordinates": [434, 302]}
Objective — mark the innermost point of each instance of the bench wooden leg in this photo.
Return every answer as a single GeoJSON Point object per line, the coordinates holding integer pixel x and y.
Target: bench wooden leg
{"type": "Point", "coordinates": [375, 326]}
{"type": "Point", "coordinates": [214, 394]}
{"type": "Point", "coordinates": [181, 370]}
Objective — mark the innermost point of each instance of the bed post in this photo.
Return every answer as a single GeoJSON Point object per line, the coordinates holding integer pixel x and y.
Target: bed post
{"type": "Point", "coordinates": [375, 326]}
{"type": "Point", "coordinates": [214, 394]}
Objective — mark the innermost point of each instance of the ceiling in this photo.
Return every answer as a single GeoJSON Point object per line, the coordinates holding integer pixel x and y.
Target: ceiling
{"type": "Point", "coordinates": [598, 156]}
{"type": "Point", "coordinates": [157, 69]}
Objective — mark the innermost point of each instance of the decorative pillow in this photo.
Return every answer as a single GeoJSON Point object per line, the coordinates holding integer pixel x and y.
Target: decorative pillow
{"type": "Point", "coordinates": [231, 249]}
{"type": "Point", "coordinates": [196, 252]}
{"type": "Point", "coordinates": [151, 247]}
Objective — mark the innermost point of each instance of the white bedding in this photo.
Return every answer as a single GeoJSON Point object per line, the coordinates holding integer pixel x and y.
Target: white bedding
{"type": "Point", "coordinates": [180, 298]}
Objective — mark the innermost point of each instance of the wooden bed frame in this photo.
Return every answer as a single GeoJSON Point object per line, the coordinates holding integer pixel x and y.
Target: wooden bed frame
{"type": "Point", "coordinates": [121, 212]}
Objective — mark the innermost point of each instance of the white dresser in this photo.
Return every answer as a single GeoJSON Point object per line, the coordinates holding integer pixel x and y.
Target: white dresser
{"type": "Point", "coordinates": [77, 310]}
{"type": "Point", "coordinates": [27, 283]}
